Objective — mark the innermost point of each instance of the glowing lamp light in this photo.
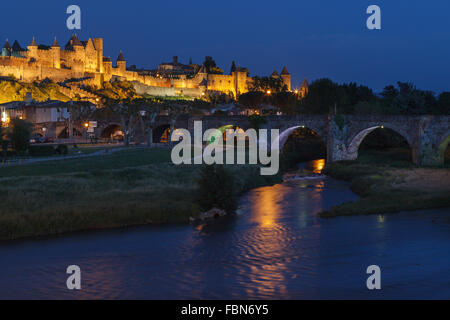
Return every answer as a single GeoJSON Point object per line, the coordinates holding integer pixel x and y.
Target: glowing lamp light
{"type": "Point", "coordinates": [268, 91]}
{"type": "Point", "coordinates": [5, 117]}
{"type": "Point", "coordinates": [86, 125]}
{"type": "Point", "coordinates": [382, 127]}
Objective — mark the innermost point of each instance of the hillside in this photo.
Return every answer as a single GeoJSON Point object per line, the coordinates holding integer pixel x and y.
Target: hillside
{"type": "Point", "coordinates": [11, 90]}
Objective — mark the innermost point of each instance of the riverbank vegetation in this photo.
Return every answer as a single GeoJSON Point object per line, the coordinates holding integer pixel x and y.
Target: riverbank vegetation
{"type": "Point", "coordinates": [133, 187]}
{"type": "Point", "coordinates": [388, 182]}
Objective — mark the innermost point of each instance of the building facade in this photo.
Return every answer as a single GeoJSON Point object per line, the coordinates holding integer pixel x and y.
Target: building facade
{"type": "Point", "coordinates": [85, 61]}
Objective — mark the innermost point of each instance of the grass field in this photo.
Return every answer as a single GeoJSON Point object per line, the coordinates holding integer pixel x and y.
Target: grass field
{"type": "Point", "coordinates": [126, 188]}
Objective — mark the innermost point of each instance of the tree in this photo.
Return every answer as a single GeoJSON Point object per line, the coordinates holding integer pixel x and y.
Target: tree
{"type": "Point", "coordinates": [148, 110]}
{"type": "Point", "coordinates": [443, 106]}
{"type": "Point", "coordinates": [215, 189]}
{"type": "Point", "coordinates": [407, 99]}
{"type": "Point", "coordinates": [79, 111]}
{"type": "Point", "coordinates": [3, 140]}
{"type": "Point", "coordinates": [252, 98]}
{"type": "Point", "coordinates": [321, 97]}
{"type": "Point", "coordinates": [127, 112]}
{"type": "Point", "coordinates": [20, 135]}
{"type": "Point", "coordinates": [265, 84]}
{"type": "Point", "coordinates": [174, 110]}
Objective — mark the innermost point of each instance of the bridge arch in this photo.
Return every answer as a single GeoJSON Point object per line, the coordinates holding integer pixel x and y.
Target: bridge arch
{"type": "Point", "coordinates": [111, 131]}
{"type": "Point", "coordinates": [223, 130]}
{"type": "Point", "coordinates": [442, 148]}
{"type": "Point", "coordinates": [355, 143]}
{"type": "Point", "coordinates": [161, 133]}
{"type": "Point", "coordinates": [64, 133]}
{"type": "Point", "coordinates": [286, 133]}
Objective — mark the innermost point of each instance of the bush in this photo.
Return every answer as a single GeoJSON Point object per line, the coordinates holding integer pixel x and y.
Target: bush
{"type": "Point", "coordinates": [216, 189]}
{"type": "Point", "coordinates": [41, 150]}
{"type": "Point", "coordinates": [62, 149]}
{"type": "Point", "coordinates": [20, 135]}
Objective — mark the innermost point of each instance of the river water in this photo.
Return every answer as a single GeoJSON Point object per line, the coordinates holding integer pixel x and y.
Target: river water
{"type": "Point", "coordinates": [276, 248]}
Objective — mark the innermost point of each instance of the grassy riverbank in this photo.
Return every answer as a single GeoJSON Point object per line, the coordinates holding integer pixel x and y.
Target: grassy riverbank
{"type": "Point", "coordinates": [126, 188]}
{"type": "Point", "coordinates": [387, 183]}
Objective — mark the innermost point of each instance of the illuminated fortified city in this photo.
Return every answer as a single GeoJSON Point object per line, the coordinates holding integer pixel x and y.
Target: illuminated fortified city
{"type": "Point", "coordinates": [84, 62]}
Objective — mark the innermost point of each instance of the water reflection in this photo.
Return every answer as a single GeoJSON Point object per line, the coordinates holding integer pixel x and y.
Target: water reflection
{"type": "Point", "coordinates": [268, 205]}
{"type": "Point", "coordinates": [317, 165]}
{"type": "Point", "coordinates": [276, 248]}
{"type": "Point", "coordinates": [263, 273]}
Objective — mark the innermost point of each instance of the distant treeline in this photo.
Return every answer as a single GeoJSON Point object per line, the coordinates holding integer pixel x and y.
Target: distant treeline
{"type": "Point", "coordinates": [325, 96]}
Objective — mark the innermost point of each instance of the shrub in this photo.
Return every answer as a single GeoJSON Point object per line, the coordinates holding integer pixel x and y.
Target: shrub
{"type": "Point", "coordinates": [216, 189]}
{"type": "Point", "coordinates": [41, 150]}
{"type": "Point", "coordinates": [20, 134]}
{"type": "Point", "coordinates": [62, 149]}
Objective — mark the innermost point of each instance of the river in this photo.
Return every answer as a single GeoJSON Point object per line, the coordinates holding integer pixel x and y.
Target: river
{"type": "Point", "coordinates": [275, 248]}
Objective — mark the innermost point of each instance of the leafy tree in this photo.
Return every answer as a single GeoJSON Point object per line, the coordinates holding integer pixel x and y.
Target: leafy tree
{"type": "Point", "coordinates": [265, 84]}
{"type": "Point", "coordinates": [252, 98]}
{"type": "Point", "coordinates": [127, 112]}
{"type": "Point", "coordinates": [175, 109]}
{"type": "Point", "coordinates": [286, 102]}
{"type": "Point", "coordinates": [407, 99]}
{"type": "Point", "coordinates": [216, 189]}
{"type": "Point", "coordinates": [211, 66]}
{"type": "Point", "coordinates": [321, 97]}
{"type": "Point", "coordinates": [443, 105]}
{"type": "Point", "coordinates": [20, 135]}
{"type": "Point", "coordinates": [148, 110]}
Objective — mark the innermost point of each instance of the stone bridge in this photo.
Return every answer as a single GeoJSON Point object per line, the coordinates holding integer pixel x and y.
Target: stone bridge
{"type": "Point", "coordinates": [427, 136]}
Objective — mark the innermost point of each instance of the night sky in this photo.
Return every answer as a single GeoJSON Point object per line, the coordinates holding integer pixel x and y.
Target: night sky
{"type": "Point", "coordinates": [314, 39]}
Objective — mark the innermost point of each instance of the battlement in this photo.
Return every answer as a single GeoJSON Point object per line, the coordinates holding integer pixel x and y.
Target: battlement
{"type": "Point", "coordinates": [85, 59]}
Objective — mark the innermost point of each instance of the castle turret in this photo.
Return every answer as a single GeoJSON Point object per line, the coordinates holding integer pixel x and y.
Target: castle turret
{"type": "Point", "coordinates": [56, 54]}
{"type": "Point", "coordinates": [33, 50]}
{"type": "Point", "coordinates": [286, 77]}
{"type": "Point", "coordinates": [304, 88]}
{"type": "Point", "coordinates": [6, 50]}
{"type": "Point", "coordinates": [275, 75]}
{"type": "Point", "coordinates": [240, 81]}
{"type": "Point", "coordinates": [233, 67]}
{"type": "Point", "coordinates": [98, 44]}
{"type": "Point", "coordinates": [121, 62]}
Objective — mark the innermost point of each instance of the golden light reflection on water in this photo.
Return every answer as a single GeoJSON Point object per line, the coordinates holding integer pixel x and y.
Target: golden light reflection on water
{"type": "Point", "coordinates": [318, 165]}
{"type": "Point", "coordinates": [265, 243]}
{"type": "Point", "coordinates": [267, 206]}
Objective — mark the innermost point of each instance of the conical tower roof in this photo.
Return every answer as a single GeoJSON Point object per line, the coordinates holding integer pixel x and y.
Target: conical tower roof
{"type": "Point", "coordinates": [33, 43]}
{"type": "Point", "coordinates": [285, 71]}
{"type": "Point", "coordinates": [17, 47]}
{"type": "Point", "coordinates": [7, 45]}
{"type": "Point", "coordinates": [121, 57]}
{"type": "Point", "coordinates": [73, 42]}
{"type": "Point", "coordinates": [55, 43]}
{"type": "Point", "coordinates": [233, 67]}
{"type": "Point", "coordinates": [275, 74]}
{"type": "Point", "coordinates": [304, 84]}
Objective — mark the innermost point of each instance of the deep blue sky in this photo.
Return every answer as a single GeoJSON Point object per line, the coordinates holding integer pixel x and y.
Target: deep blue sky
{"type": "Point", "coordinates": [314, 38]}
